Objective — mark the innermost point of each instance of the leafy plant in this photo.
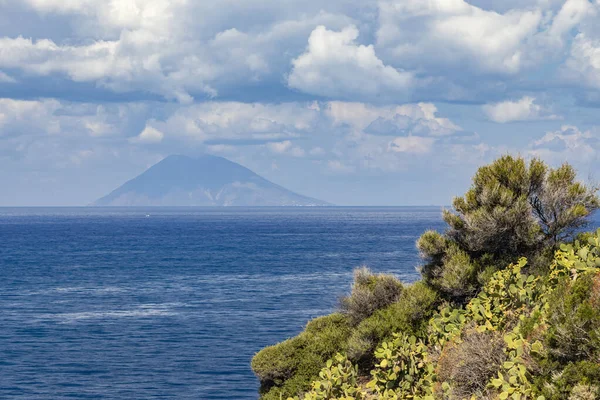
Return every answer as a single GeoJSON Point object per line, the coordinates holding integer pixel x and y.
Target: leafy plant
{"type": "Point", "coordinates": [403, 369]}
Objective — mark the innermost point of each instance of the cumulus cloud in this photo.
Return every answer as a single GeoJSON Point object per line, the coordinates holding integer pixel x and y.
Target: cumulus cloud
{"type": "Point", "coordinates": [149, 135]}
{"type": "Point", "coordinates": [418, 119]}
{"type": "Point", "coordinates": [334, 65]}
{"type": "Point", "coordinates": [524, 109]}
{"type": "Point", "coordinates": [241, 123]}
{"type": "Point", "coordinates": [453, 31]}
{"type": "Point", "coordinates": [568, 143]}
{"type": "Point", "coordinates": [583, 64]}
{"type": "Point", "coordinates": [405, 49]}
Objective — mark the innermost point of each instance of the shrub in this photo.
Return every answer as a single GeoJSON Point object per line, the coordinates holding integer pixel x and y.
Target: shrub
{"type": "Point", "coordinates": [511, 210]}
{"type": "Point", "coordinates": [458, 278]}
{"type": "Point", "coordinates": [289, 367]}
{"type": "Point", "coordinates": [574, 319]}
{"type": "Point", "coordinates": [584, 392]}
{"type": "Point", "coordinates": [370, 292]}
{"type": "Point", "coordinates": [468, 364]}
{"type": "Point", "coordinates": [561, 384]}
{"type": "Point", "coordinates": [409, 314]}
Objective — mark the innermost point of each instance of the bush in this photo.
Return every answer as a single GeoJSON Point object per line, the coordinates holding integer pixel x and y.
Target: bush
{"type": "Point", "coordinates": [458, 278]}
{"type": "Point", "coordinates": [512, 210]}
{"type": "Point", "coordinates": [574, 319]}
{"type": "Point", "coordinates": [370, 292]}
{"type": "Point", "coordinates": [289, 367]}
{"type": "Point", "coordinates": [562, 384]}
{"type": "Point", "coordinates": [585, 392]}
{"type": "Point", "coordinates": [468, 364]}
{"type": "Point", "coordinates": [410, 314]}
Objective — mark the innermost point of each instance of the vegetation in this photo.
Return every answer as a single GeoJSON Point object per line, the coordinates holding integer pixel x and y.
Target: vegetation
{"type": "Point", "coordinates": [512, 210]}
{"type": "Point", "coordinates": [508, 307]}
{"type": "Point", "coordinates": [370, 293]}
{"type": "Point", "coordinates": [289, 367]}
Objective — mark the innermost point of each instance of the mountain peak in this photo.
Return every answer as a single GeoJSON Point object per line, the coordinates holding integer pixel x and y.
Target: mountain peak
{"type": "Point", "coordinates": [207, 180]}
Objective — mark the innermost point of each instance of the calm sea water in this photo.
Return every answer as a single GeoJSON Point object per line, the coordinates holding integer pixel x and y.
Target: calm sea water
{"type": "Point", "coordinates": [173, 303]}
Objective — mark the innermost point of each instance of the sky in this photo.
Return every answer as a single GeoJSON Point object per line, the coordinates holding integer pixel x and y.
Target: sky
{"type": "Point", "coordinates": [371, 102]}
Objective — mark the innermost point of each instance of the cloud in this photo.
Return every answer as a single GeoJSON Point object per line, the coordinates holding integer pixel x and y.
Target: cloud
{"type": "Point", "coordinates": [285, 147]}
{"type": "Point", "coordinates": [338, 167]}
{"type": "Point", "coordinates": [568, 143]}
{"type": "Point", "coordinates": [524, 109]}
{"type": "Point", "coordinates": [411, 144]}
{"type": "Point", "coordinates": [4, 78]}
{"type": "Point", "coordinates": [236, 122]}
{"type": "Point", "coordinates": [149, 135]}
{"type": "Point", "coordinates": [335, 66]}
{"type": "Point", "coordinates": [417, 119]}
{"type": "Point", "coordinates": [583, 64]}
{"type": "Point", "coordinates": [380, 51]}
{"type": "Point", "coordinates": [455, 33]}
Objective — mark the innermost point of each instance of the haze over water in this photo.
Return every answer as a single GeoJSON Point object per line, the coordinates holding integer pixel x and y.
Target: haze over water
{"type": "Point", "coordinates": [173, 303]}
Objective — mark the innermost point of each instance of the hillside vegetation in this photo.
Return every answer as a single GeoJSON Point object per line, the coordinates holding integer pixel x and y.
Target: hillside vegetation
{"type": "Point", "coordinates": [508, 306]}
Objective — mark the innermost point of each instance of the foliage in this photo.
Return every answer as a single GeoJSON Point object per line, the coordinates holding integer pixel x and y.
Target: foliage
{"type": "Point", "coordinates": [476, 326]}
{"type": "Point", "coordinates": [560, 384]}
{"type": "Point", "coordinates": [403, 370]}
{"type": "Point", "coordinates": [409, 314]}
{"type": "Point", "coordinates": [574, 319]}
{"type": "Point", "coordinates": [370, 292]}
{"type": "Point", "coordinates": [512, 209]}
{"type": "Point", "coordinates": [290, 366]}
{"type": "Point", "coordinates": [338, 380]}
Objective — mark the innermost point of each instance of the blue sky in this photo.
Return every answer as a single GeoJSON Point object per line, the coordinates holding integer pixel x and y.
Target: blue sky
{"type": "Point", "coordinates": [388, 102]}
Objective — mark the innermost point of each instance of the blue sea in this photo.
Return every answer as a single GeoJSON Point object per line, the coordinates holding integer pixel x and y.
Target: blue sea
{"type": "Point", "coordinates": [173, 303]}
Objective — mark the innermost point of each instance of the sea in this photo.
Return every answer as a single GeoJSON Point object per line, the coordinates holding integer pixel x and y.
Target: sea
{"type": "Point", "coordinates": [172, 303]}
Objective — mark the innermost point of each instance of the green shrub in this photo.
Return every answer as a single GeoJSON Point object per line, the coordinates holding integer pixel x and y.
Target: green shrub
{"type": "Point", "coordinates": [574, 319]}
{"type": "Point", "coordinates": [585, 392]}
{"type": "Point", "coordinates": [289, 367]}
{"type": "Point", "coordinates": [409, 314]}
{"type": "Point", "coordinates": [513, 209]}
{"type": "Point", "coordinates": [370, 292]}
{"type": "Point", "coordinates": [559, 385]}
{"type": "Point", "coordinates": [458, 278]}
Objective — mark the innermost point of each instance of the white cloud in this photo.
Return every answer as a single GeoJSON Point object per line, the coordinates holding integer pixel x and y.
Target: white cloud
{"type": "Point", "coordinates": [583, 64]}
{"type": "Point", "coordinates": [568, 144]}
{"type": "Point", "coordinates": [158, 47]}
{"type": "Point", "coordinates": [571, 14]}
{"type": "Point", "coordinates": [335, 66]}
{"type": "Point", "coordinates": [149, 135]}
{"type": "Point", "coordinates": [338, 167]}
{"type": "Point", "coordinates": [236, 121]}
{"type": "Point", "coordinates": [453, 32]}
{"type": "Point", "coordinates": [420, 119]}
{"type": "Point", "coordinates": [411, 144]}
{"type": "Point", "coordinates": [524, 109]}
{"type": "Point", "coordinates": [286, 147]}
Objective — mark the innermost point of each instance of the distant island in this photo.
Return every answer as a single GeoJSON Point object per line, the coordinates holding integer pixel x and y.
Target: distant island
{"type": "Point", "coordinates": [202, 181]}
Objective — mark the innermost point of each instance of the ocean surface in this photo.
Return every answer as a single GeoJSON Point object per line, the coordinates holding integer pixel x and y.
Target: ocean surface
{"type": "Point", "coordinates": [173, 303]}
